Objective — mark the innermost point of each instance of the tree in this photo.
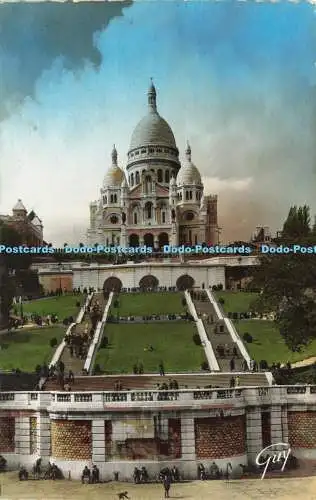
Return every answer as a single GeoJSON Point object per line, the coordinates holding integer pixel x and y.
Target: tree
{"type": "Point", "coordinates": [13, 266]}
{"type": "Point", "coordinates": [288, 282]}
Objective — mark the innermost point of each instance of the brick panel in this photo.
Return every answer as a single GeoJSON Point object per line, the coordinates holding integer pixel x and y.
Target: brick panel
{"type": "Point", "coordinates": [266, 428]}
{"type": "Point", "coordinates": [33, 435]}
{"type": "Point", "coordinates": [71, 439]}
{"type": "Point", "coordinates": [7, 435]}
{"type": "Point", "coordinates": [302, 429]}
{"type": "Point", "coordinates": [220, 437]}
{"type": "Point", "coordinates": [174, 438]}
{"type": "Point", "coordinates": [108, 439]}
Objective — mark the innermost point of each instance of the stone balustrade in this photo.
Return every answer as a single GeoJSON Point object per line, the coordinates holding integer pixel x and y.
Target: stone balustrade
{"type": "Point", "coordinates": [244, 396]}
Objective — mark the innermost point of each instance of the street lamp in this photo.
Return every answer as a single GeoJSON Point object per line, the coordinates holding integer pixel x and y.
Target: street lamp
{"type": "Point", "coordinates": [59, 269]}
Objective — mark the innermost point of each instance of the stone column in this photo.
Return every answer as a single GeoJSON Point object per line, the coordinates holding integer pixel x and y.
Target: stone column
{"type": "Point", "coordinates": [22, 435]}
{"type": "Point", "coordinates": [285, 428]}
{"type": "Point", "coordinates": [187, 438]}
{"type": "Point", "coordinates": [43, 436]}
{"type": "Point", "coordinates": [254, 433]}
{"type": "Point", "coordinates": [276, 424]}
{"type": "Point", "coordinates": [98, 441]}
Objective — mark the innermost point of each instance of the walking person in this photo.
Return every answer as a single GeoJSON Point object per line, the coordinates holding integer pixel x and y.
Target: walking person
{"type": "Point", "coordinates": [166, 485]}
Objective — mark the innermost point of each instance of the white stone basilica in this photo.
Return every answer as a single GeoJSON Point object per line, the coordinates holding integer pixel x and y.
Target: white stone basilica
{"type": "Point", "coordinates": [162, 202]}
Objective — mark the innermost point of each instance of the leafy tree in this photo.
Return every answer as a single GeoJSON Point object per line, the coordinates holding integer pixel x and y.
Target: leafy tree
{"type": "Point", "coordinates": [13, 266]}
{"type": "Point", "coordinates": [288, 282]}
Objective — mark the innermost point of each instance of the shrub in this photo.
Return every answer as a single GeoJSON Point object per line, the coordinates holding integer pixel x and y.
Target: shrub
{"type": "Point", "coordinates": [116, 303]}
{"type": "Point", "coordinates": [184, 302]}
{"type": "Point", "coordinates": [196, 339]}
{"type": "Point", "coordinates": [104, 343]}
{"type": "Point", "coordinates": [53, 342]}
{"type": "Point", "coordinates": [97, 369]}
{"type": "Point", "coordinates": [38, 368]}
{"type": "Point", "coordinates": [221, 301]}
{"type": "Point", "coordinates": [204, 366]}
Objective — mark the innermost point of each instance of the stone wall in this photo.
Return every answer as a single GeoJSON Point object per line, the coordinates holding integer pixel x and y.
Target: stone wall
{"type": "Point", "coordinates": [51, 282]}
{"type": "Point", "coordinates": [266, 428]}
{"type": "Point", "coordinates": [302, 429]}
{"type": "Point", "coordinates": [7, 434]}
{"type": "Point", "coordinates": [220, 438]}
{"type": "Point", "coordinates": [71, 439]}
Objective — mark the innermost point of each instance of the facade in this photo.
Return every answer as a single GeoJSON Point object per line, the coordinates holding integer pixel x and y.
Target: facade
{"type": "Point", "coordinates": [157, 201]}
{"type": "Point", "coordinates": [27, 225]}
{"type": "Point", "coordinates": [120, 431]}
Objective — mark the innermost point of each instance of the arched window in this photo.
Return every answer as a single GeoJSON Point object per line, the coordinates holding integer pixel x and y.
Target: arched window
{"type": "Point", "coordinates": [187, 195]}
{"type": "Point", "coordinates": [132, 179]}
{"type": "Point", "coordinates": [135, 217]}
{"type": "Point", "coordinates": [111, 198]}
{"type": "Point", "coordinates": [148, 210]}
{"type": "Point", "coordinates": [105, 200]}
{"type": "Point", "coordinates": [148, 184]}
{"type": "Point", "coordinates": [190, 195]}
{"type": "Point", "coordinates": [115, 198]}
{"type": "Point", "coordinates": [163, 215]}
{"type": "Point", "coordinates": [167, 176]}
{"type": "Point", "coordinates": [137, 177]}
{"type": "Point", "coordinates": [159, 175]}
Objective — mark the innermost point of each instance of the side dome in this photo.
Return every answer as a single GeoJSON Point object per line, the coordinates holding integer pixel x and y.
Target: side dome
{"type": "Point", "coordinates": [188, 173]}
{"type": "Point", "coordinates": [152, 129]}
{"type": "Point", "coordinates": [114, 175]}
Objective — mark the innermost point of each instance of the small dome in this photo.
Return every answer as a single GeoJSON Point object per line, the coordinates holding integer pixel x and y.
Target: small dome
{"type": "Point", "coordinates": [19, 206]}
{"type": "Point", "coordinates": [115, 175]}
{"type": "Point", "coordinates": [152, 129]}
{"type": "Point", "coordinates": [188, 173]}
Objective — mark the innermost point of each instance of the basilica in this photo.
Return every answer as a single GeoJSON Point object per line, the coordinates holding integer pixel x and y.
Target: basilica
{"type": "Point", "coordinates": [157, 200]}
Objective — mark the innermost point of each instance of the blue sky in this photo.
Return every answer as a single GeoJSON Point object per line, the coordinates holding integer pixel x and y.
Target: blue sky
{"type": "Point", "coordinates": [235, 79]}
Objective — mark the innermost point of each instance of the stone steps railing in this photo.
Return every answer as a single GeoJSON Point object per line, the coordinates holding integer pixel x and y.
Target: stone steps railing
{"type": "Point", "coordinates": [209, 353]}
{"type": "Point", "coordinates": [97, 338]}
{"type": "Point", "coordinates": [230, 327]}
{"type": "Point", "coordinates": [62, 345]}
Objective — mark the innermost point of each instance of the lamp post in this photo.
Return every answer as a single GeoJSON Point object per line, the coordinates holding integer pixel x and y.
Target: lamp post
{"type": "Point", "coordinates": [59, 269]}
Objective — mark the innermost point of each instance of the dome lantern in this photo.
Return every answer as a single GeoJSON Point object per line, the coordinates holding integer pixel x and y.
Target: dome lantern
{"type": "Point", "coordinates": [152, 98]}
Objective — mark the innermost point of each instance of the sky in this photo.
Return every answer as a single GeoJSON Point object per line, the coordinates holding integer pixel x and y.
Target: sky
{"type": "Point", "coordinates": [235, 79]}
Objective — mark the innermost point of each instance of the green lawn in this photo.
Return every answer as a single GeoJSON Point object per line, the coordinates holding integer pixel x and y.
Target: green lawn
{"type": "Point", "coordinates": [172, 343]}
{"type": "Point", "coordinates": [24, 349]}
{"type": "Point", "coordinates": [268, 344]}
{"type": "Point", "coordinates": [63, 306]}
{"type": "Point", "coordinates": [236, 301]}
{"type": "Point", "coordinates": [145, 304]}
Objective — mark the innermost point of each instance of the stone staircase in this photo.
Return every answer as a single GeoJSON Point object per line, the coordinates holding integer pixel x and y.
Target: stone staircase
{"type": "Point", "coordinates": [74, 364]}
{"type": "Point", "coordinates": [149, 382]}
{"type": "Point", "coordinates": [212, 324]}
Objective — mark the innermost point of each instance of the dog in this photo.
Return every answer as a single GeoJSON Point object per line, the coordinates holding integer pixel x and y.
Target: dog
{"type": "Point", "coordinates": [123, 495]}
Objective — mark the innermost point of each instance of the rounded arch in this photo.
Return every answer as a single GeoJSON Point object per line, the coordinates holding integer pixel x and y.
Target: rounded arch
{"type": "Point", "coordinates": [149, 282]}
{"type": "Point", "coordinates": [112, 284]}
{"type": "Point", "coordinates": [149, 240]}
{"type": "Point", "coordinates": [185, 282]}
{"type": "Point", "coordinates": [163, 239]}
{"type": "Point", "coordinates": [134, 240]}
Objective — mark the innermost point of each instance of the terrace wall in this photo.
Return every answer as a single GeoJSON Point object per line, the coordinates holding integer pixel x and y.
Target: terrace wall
{"type": "Point", "coordinates": [183, 428]}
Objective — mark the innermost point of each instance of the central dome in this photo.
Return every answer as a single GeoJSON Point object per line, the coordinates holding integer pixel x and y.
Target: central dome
{"type": "Point", "coordinates": [152, 129]}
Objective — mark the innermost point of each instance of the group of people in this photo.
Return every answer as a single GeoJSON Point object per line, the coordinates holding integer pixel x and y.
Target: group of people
{"type": "Point", "coordinates": [57, 372]}
{"type": "Point", "coordinates": [90, 476]}
{"type": "Point", "coordinates": [225, 351]}
{"type": "Point", "coordinates": [214, 472]}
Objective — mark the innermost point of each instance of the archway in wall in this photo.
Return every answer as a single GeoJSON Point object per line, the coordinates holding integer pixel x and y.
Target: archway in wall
{"type": "Point", "coordinates": [134, 240]}
{"type": "Point", "coordinates": [163, 239]}
{"type": "Point", "coordinates": [149, 240]}
{"type": "Point", "coordinates": [185, 282]}
{"type": "Point", "coordinates": [148, 282]}
{"type": "Point", "coordinates": [112, 284]}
